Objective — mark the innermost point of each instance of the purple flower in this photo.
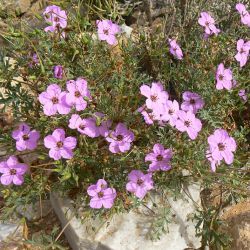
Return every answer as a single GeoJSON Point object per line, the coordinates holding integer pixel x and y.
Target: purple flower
{"type": "Point", "coordinates": [243, 49]}
{"type": "Point", "coordinates": [192, 102]}
{"type": "Point", "coordinates": [243, 95]}
{"type": "Point", "coordinates": [167, 112]}
{"type": "Point", "coordinates": [156, 95]}
{"type": "Point", "coordinates": [244, 14]}
{"type": "Point", "coordinates": [160, 158]}
{"type": "Point", "coordinates": [189, 123]}
{"type": "Point", "coordinates": [107, 31]}
{"type": "Point", "coordinates": [160, 114]}
{"type": "Point", "coordinates": [58, 71]}
{"type": "Point", "coordinates": [60, 147]}
{"type": "Point", "coordinates": [208, 22]}
{"type": "Point", "coordinates": [120, 139]}
{"type": "Point", "coordinates": [34, 61]}
{"type": "Point", "coordinates": [78, 92]}
{"type": "Point", "coordinates": [171, 112]}
{"type": "Point", "coordinates": [148, 116]}
{"type": "Point", "coordinates": [221, 145]}
{"type": "Point", "coordinates": [56, 17]}
{"type": "Point", "coordinates": [224, 78]}
{"type": "Point", "coordinates": [102, 124]}
{"type": "Point", "coordinates": [175, 49]}
{"type": "Point", "coordinates": [85, 126]}
{"type": "Point", "coordinates": [139, 184]}
{"type": "Point", "coordinates": [101, 195]}
{"type": "Point", "coordinates": [12, 171]}
{"type": "Point", "coordinates": [25, 139]}
{"type": "Point", "coordinates": [53, 100]}
{"type": "Point", "coordinates": [213, 163]}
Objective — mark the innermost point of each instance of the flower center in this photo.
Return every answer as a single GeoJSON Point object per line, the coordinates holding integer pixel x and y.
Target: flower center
{"type": "Point", "coordinates": [55, 100]}
{"type": "Point", "coordinates": [56, 19]}
{"type": "Point", "coordinates": [244, 13]}
{"type": "Point", "coordinates": [12, 171]}
{"type": "Point", "coordinates": [139, 182]}
{"type": "Point", "coordinates": [221, 77]}
{"type": "Point", "coordinates": [151, 116]}
{"type": "Point", "coordinates": [187, 123]}
{"type": "Point", "coordinates": [159, 158]}
{"type": "Point", "coordinates": [221, 147]}
{"type": "Point", "coordinates": [25, 137]}
{"type": "Point", "coordinates": [206, 23]}
{"type": "Point", "coordinates": [77, 94]}
{"type": "Point", "coordinates": [59, 144]}
{"type": "Point", "coordinates": [171, 112]}
{"type": "Point", "coordinates": [153, 98]}
{"type": "Point", "coordinates": [100, 194]}
{"type": "Point", "coordinates": [242, 51]}
{"type": "Point", "coordinates": [192, 101]}
{"type": "Point", "coordinates": [119, 137]}
{"type": "Point", "coordinates": [82, 127]}
{"type": "Point", "coordinates": [106, 32]}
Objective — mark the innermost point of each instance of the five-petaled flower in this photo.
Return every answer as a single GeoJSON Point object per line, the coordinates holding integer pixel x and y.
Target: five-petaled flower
{"type": "Point", "coordinates": [243, 94]}
{"type": "Point", "coordinates": [171, 112]}
{"type": "Point", "coordinates": [102, 124]}
{"type": "Point", "coordinates": [59, 145]}
{"type": "Point", "coordinates": [189, 123]}
{"type": "Point", "coordinates": [167, 112]}
{"type": "Point", "coordinates": [107, 31]}
{"type": "Point", "coordinates": [192, 102]}
{"type": "Point", "coordinates": [58, 71]}
{"type": "Point", "coordinates": [101, 195]}
{"type": "Point", "coordinates": [86, 126]}
{"type": "Point", "coordinates": [139, 184]}
{"type": "Point", "coordinates": [56, 17]}
{"type": "Point", "coordinates": [224, 78]}
{"type": "Point", "coordinates": [34, 61]}
{"type": "Point", "coordinates": [221, 145]}
{"type": "Point", "coordinates": [25, 137]}
{"type": "Point", "coordinates": [175, 49]}
{"type": "Point", "coordinates": [149, 116]}
{"type": "Point", "coordinates": [12, 171]}
{"type": "Point", "coordinates": [208, 22]}
{"type": "Point", "coordinates": [78, 94]}
{"type": "Point", "coordinates": [244, 14]}
{"type": "Point", "coordinates": [54, 100]}
{"type": "Point", "coordinates": [243, 49]}
{"type": "Point", "coordinates": [120, 139]}
{"type": "Point", "coordinates": [155, 95]}
{"type": "Point", "coordinates": [213, 163]}
{"type": "Point", "coordinates": [159, 158]}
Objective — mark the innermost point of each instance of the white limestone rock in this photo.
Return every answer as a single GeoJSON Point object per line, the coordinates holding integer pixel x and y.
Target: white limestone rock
{"type": "Point", "coordinates": [9, 230]}
{"type": "Point", "coordinates": [129, 231]}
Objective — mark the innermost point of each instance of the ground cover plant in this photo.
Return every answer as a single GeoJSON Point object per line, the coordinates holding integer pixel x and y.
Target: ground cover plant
{"type": "Point", "coordinates": [111, 116]}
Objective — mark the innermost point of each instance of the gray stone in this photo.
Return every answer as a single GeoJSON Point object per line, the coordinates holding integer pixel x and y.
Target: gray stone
{"type": "Point", "coordinates": [129, 231]}
{"type": "Point", "coordinates": [126, 30]}
{"type": "Point", "coordinates": [35, 211]}
{"type": "Point", "coordinates": [15, 6]}
{"type": "Point", "coordinates": [9, 230]}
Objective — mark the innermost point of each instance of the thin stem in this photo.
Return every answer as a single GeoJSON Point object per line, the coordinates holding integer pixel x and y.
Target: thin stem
{"type": "Point", "coordinates": [45, 164]}
{"type": "Point", "coordinates": [72, 216]}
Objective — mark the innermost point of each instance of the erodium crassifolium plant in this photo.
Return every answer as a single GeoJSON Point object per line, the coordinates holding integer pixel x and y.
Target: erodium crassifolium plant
{"type": "Point", "coordinates": [111, 117]}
